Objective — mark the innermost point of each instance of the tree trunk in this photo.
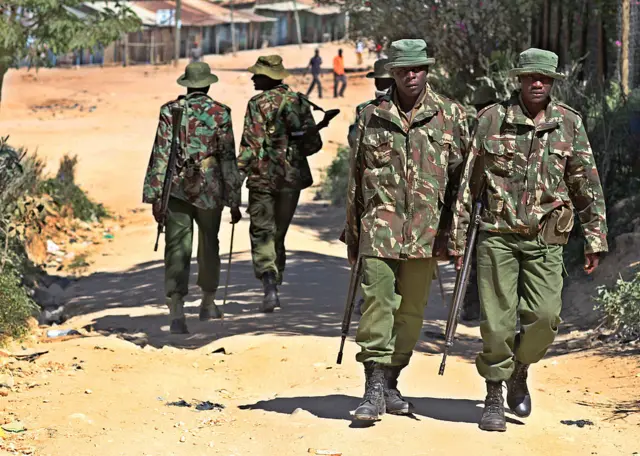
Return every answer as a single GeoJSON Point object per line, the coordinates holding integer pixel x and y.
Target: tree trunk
{"type": "Point", "coordinates": [3, 72]}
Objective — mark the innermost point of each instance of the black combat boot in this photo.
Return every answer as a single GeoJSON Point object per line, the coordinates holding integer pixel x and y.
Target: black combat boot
{"type": "Point", "coordinates": [395, 403]}
{"type": "Point", "coordinates": [493, 414]}
{"type": "Point", "coordinates": [178, 321]}
{"type": "Point", "coordinates": [372, 405]}
{"type": "Point", "coordinates": [270, 300]}
{"type": "Point", "coordinates": [518, 397]}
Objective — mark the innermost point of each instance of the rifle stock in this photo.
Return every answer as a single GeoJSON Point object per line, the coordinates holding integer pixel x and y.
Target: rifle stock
{"type": "Point", "coordinates": [348, 310]}
{"type": "Point", "coordinates": [176, 121]}
{"type": "Point", "coordinates": [462, 279]}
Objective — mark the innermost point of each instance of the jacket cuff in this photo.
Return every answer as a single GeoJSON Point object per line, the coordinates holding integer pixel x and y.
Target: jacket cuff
{"type": "Point", "coordinates": [596, 243]}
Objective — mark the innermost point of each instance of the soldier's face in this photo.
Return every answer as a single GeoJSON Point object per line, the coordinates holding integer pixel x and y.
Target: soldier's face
{"type": "Point", "coordinates": [262, 82]}
{"type": "Point", "coordinates": [536, 88]}
{"type": "Point", "coordinates": [410, 81]}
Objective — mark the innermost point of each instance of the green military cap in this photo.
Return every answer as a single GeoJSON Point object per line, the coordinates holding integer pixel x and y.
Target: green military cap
{"type": "Point", "coordinates": [197, 75]}
{"type": "Point", "coordinates": [537, 61]}
{"type": "Point", "coordinates": [379, 71]}
{"type": "Point", "coordinates": [408, 53]}
{"type": "Point", "coordinates": [484, 94]}
{"type": "Point", "coordinates": [270, 66]}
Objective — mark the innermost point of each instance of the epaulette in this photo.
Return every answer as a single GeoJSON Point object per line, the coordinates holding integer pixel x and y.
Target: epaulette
{"type": "Point", "coordinates": [569, 108]}
{"type": "Point", "coordinates": [483, 110]}
{"type": "Point", "coordinates": [361, 106]}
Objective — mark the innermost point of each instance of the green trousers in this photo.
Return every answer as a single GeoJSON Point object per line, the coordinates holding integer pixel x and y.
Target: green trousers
{"type": "Point", "coordinates": [270, 214]}
{"type": "Point", "coordinates": [179, 242]}
{"type": "Point", "coordinates": [517, 274]}
{"type": "Point", "coordinates": [395, 294]}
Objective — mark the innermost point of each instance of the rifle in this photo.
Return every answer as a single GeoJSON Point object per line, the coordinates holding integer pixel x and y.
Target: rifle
{"type": "Point", "coordinates": [462, 278]}
{"type": "Point", "coordinates": [351, 298]}
{"type": "Point", "coordinates": [329, 115]}
{"type": "Point", "coordinates": [176, 121]}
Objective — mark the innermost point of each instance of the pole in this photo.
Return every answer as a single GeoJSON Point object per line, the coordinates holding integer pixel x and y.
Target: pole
{"type": "Point", "coordinates": [626, 13]}
{"type": "Point", "coordinates": [152, 57]}
{"type": "Point", "coordinates": [176, 48]}
{"type": "Point", "coordinates": [297, 17]}
{"type": "Point", "coordinates": [346, 26]}
{"type": "Point", "coordinates": [233, 29]}
{"type": "Point", "coordinates": [226, 286]}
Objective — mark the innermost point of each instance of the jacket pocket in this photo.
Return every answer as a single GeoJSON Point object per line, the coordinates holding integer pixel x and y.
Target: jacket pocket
{"type": "Point", "coordinates": [559, 152]}
{"type": "Point", "coordinates": [499, 158]}
{"type": "Point", "coordinates": [377, 148]}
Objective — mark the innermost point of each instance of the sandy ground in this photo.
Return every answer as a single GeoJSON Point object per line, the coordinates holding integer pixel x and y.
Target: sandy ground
{"type": "Point", "coordinates": [282, 392]}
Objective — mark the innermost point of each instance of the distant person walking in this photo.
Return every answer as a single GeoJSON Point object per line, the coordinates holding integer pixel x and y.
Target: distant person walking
{"type": "Point", "coordinates": [315, 65]}
{"type": "Point", "coordinates": [359, 51]}
{"type": "Point", "coordinates": [339, 75]}
{"type": "Point", "coordinates": [196, 52]}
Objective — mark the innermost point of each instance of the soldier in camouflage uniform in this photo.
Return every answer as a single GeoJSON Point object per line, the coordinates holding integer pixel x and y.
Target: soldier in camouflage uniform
{"type": "Point", "coordinates": [408, 145]}
{"type": "Point", "coordinates": [383, 82]}
{"type": "Point", "coordinates": [273, 157]}
{"type": "Point", "coordinates": [534, 155]}
{"type": "Point", "coordinates": [482, 97]}
{"type": "Point", "coordinates": [205, 181]}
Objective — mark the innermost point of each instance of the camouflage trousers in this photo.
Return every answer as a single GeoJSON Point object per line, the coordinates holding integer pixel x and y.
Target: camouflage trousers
{"type": "Point", "coordinates": [271, 214]}
{"type": "Point", "coordinates": [517, 275]}
{"type": "Point", "coordinates": [395, 295]}
{"type": "Point", "coordinates": [179, 243]}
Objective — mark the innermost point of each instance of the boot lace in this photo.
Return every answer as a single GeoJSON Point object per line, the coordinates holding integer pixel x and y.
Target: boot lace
{"type": "Point", "coordinates": [494, 400]}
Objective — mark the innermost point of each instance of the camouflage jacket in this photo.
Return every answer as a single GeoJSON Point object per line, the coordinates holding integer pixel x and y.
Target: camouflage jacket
{"type": "Point", "coordinates": [270, 156]}
{"type": "Point", "coordinates": [402, 174]}
{"type": "Point", "coordinates": [206, 172]}
{"type": "Point", "coordinates": [351, 136]}
{"type": "Point", "coordinates": [530, 171]}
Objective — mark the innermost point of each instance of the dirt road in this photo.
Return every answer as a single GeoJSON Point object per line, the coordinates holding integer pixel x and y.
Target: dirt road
{"type": "Point", "coordinates": [278, 382]}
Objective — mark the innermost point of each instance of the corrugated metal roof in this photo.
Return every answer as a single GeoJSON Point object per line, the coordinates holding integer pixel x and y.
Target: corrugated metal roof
{"type": "Point", "coordinates": [224, 14]}
{"type": "Point", "coordinates": [282, 7]}
{"type": "Point", "coordinates": [189, 14]}
{"type": "Point", "coordinates": [325, 10]}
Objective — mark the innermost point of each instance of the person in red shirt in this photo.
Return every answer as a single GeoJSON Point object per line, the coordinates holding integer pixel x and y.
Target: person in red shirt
{"type": "Point", "coordinates": [339, 75]}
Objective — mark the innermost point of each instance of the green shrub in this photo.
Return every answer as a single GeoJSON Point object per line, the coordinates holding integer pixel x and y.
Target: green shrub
{"type": "Point", "coordinates": [336, 177]}
{"type": "Point", "coordinates": [16, 306]}
{"type": "Point", "coordinates": [66, 194]}
{"type": "Point", "coordinates": [621, 306]}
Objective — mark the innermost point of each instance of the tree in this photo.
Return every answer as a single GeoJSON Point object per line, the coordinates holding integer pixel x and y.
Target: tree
{"type": "Point", "coordinates": [459, 33]}
{"type": "Point", "coordinates": [31, 28]}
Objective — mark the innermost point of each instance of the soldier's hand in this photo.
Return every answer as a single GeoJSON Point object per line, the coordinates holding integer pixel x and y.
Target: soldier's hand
{"type": "Point", "coordinates": [236, 215]}
{"type": "Point", "coordinates": [458, 262]}
{"type": "Point", "coordinates": [157, 211]}
{"type": "Point", "coordinates": [440, 247]}
{"type": "Point", "coordinates": [352, 254]}
{"type": "Point", "coordinates": [591, 262]}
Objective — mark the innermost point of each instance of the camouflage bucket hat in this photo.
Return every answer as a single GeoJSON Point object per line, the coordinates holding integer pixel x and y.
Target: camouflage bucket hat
{"type": "Point", "coordinates": [379, 71]}
{"type": "Point", "coordinates": [408, 53]}
{"type": "Point", "coordinates": [537, 61]}
{"type": "Point", "coordinates": [197, 75]}
{"type": "Point", "coordinates": [270, 66]}
{"type": "Point", "coordinates": [484, 94]}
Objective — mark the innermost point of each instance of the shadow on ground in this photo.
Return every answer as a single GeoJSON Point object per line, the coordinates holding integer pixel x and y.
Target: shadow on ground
{"type": "Point", "coordinates": [339, 406]}
{"type": "Point", "coordinates": [312, 296]}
